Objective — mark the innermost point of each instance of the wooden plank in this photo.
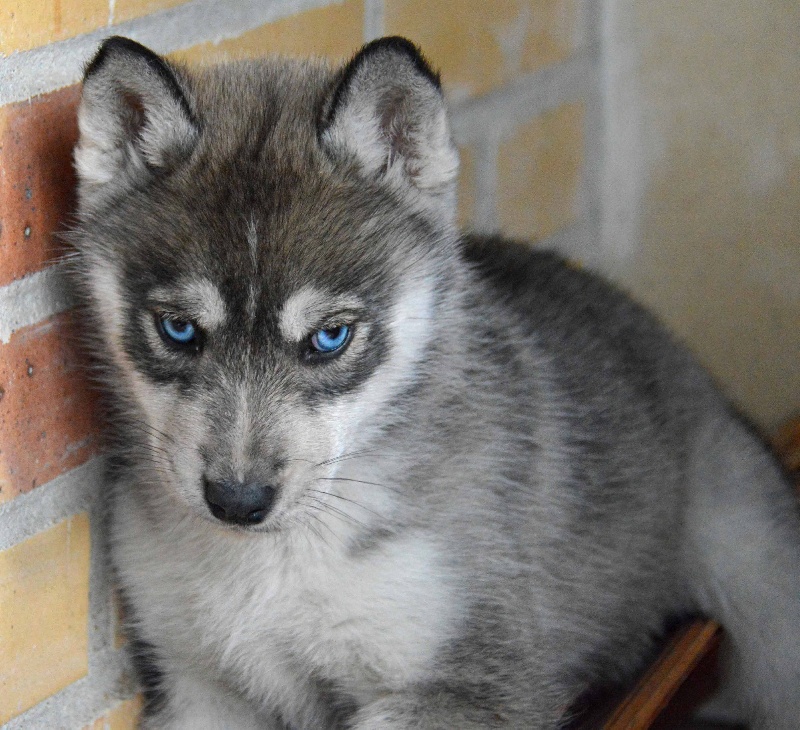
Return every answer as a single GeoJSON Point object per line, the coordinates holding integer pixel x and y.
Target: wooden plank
{"type": "Point", "coordinates": [652, 693]}
{"type": "Point", "coordinates": [787, 446]}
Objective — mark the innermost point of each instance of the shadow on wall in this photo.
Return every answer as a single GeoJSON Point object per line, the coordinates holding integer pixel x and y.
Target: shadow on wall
{"type": "Point", "coordinates": [733, 260]}
{"type": "Point", "coordinates": [714, 152]}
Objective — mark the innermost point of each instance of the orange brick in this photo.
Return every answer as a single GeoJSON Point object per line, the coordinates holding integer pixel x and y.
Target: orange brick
{"type": "Point", "coordinates": [25, 24]}
{"type": "Point", "coordinates": [539, 172]}
{"type": "Point", "coordinates": [36, 179]}
{"type": "Point", "coordinates": [479, 45]}
{"type": "Point", "coordinates": [334, 31]}
{"type": "Point", "coordinates": [130, 9]}
{"type": "Point", "coordinates": [123, 717]}
{"type": "Point", "coordinates": [44, 605]}
{"type": "Point", "coordinates": [48, 422]}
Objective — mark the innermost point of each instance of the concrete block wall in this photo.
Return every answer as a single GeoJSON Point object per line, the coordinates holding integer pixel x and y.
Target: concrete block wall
{"type": "Point", "coordinates": [521, 80]}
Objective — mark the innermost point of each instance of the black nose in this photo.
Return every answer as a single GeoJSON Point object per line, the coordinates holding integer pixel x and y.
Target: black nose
{"type": "Point", "coordinates": [242, 504]}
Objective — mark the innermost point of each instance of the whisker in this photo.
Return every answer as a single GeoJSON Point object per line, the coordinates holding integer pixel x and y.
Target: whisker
{"type": "Point", "coordinates": [154, 452]}
{"type": "Point", "coordinates": [358, 481]}
{"type": "Point", "coordinates": [152, 448]}
{"type": "Point", "coordinates": [320, 521]}
{"type": "Point", "coordinates": [330, 509]}
{"type": "Point", "coordinates": [345, 499]}
{"type": "Point", "coordinates": [160, 459]}
{"type": "Point", "coordinates": [149, 428]}
{"type": "Point", "coordinates": [297, 458]}
{"type": "Point", "coordinates": [327, 527]}
{"type": "Point", "coordinates": [298, 530]}
{"type": "Point", "coordinates": [345, 457]}
{"type": "Point", "coordinates": [308, 527]}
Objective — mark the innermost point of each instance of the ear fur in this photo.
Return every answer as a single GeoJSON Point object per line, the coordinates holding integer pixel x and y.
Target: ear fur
{"type": "Point", "coordinates": [387, 112]}
{"type": "Point", "coordinates": [135, 121]}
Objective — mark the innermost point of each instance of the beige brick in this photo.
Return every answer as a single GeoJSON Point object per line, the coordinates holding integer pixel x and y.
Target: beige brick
{"type": "Point", "coordinates": [539, 172]}
{"type": "Point", "coordinates": [466, 187]}
{"type": "Point", "coordinates": [123, 717]}
{"type": "Point", "coordinates": [44, 604]}
{"type": "Point", "coordinates": [130, 9]}
{"type": "Point", "coordinates": [335, 31]}
{"type": "Point", "coordinates": [479, 45]}
{"type": "Point", "coordinates": [26, 24]}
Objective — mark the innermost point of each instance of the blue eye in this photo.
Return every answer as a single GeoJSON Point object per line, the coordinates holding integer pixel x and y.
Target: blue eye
{"type": "Point", "coordinates": [330, 340]}
{"type": "Point", "coordinates": [180, 331]}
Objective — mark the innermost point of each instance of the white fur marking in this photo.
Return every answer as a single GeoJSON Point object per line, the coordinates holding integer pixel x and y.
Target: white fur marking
{"type": "Point", "coordinates": [252, 241]}
{"type": "Point", "coordinates": [409, 329]}
{"type": "Point", "coordinates": [303, 309]}
{"type": "Point", "coordinates": [252, 245]}
{"type": "Point", "coordinates": [199, 297]}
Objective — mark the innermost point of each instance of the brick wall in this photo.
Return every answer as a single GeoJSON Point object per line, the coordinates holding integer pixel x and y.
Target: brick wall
{"type": "Point", "coordinates": [520, 78]}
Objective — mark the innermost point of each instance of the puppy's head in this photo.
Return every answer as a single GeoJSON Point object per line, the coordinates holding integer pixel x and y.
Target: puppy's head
{"type": "Point", "coordinates": [262, 249]}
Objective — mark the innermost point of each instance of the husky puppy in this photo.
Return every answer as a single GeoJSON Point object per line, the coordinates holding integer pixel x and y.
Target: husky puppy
{"type": "Point", "coordinates": [372, 474]}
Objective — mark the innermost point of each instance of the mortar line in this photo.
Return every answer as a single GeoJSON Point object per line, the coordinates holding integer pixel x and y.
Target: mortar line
{"type": "Point", "coordinates": [40, 70]}
{"type": "Point", "coordinates": [374, 20]}
{"type": "Point", "coordinates": [33, 512]}
{"type": "Point", "coordinates": [32, 299]}
{"type": "Point", "coordinates": [504, 109]}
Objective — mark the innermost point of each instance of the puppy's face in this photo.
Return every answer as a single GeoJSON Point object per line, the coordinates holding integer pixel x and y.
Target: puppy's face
{"type": "Point", "coordinates": [261, 296]}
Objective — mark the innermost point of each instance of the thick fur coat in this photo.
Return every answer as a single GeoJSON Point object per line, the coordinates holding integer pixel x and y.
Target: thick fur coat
{"type": "Point", "coordinates": [369, 473]}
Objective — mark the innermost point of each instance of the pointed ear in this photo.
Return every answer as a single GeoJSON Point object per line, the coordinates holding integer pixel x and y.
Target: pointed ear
{"type": "Point", "coordinates": [387, 113]}
{"type": "Point", "coordinates": [135, 121]}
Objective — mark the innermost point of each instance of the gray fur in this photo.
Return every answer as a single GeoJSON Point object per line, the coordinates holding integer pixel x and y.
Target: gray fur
{"type": "Point", "coordinates": [492, 500]}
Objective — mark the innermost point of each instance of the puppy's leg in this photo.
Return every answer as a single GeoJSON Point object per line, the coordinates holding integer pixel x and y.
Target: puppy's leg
{"type": "Point", "coordinates": [445, 710]}
{"type": "Point", "coordinates": [191, 702]}
{"type": "Point", "coordinates": [743, 564]}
